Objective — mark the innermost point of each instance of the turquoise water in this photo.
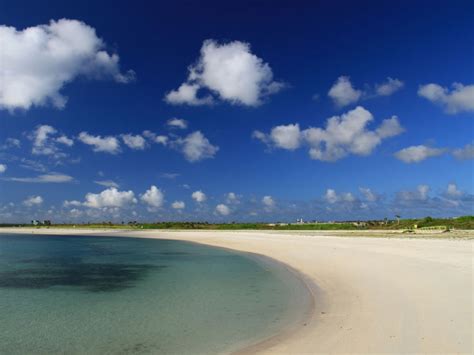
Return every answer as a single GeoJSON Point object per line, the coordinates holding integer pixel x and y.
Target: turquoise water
{"type": "Point", "coordinates": [102, 295]}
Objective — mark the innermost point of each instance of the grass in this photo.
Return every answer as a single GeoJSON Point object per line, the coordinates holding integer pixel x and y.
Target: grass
{"type": "Point", "coordinates": [465, 222]}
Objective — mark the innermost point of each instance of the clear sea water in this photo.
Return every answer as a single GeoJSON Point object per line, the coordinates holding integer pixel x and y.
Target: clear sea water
{"type": "Point", "coordinates": [105, 295]}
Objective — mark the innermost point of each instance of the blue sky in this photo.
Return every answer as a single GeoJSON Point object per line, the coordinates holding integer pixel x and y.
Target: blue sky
{"type": "Point", "coordinates": [264, 110]}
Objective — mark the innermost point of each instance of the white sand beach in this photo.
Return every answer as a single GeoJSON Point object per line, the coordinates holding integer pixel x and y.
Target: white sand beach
{"type": "Point", "coordinates": [371, 295]}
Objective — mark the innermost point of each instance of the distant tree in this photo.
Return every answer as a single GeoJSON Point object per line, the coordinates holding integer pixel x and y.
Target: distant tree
{"type": "Point", "coordinates": [398, 219]}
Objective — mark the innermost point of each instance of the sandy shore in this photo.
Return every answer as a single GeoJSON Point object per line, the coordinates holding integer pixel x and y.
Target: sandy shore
{"type": "Point", "coordinates": [372, 295]}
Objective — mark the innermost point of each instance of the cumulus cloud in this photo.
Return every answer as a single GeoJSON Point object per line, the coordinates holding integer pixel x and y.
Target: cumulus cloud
{"type": "Point", "coordinates": [177, 123]}
{"type": "Point", "coordinates": [178, 205]}
{"type": "Point", "coordinates": [72, 203]}
{"type": "Point", "coordinates": [135, 142]}
{"type": "Point", "coordinates": [368, 194]}
{"type": "Point", "coordinates": [230, 72]}
{"type": "Point", "coordinates": [232, 198]}
{"type": "Point", "coordinates": [459, 99]}
{"type": "Point", "coordinates": [44, 178]}
{"type": "Point", "coordinates": [417, 153]}
{"type": "Point", "coordinates": [195, 147]}
{"type": "Point", "coordinates": [286, 137]}
{"type": "Point", "coordinates": [110, 197]}
{"type": "Point", "coordinates": [268, 201]}
{"type": "Point", "coordinates": [223, 210]}
{"type": "Point", "coordinates": [464, 153]}
{"type": "Point", "coordinates": [33, 201]}
{"type": "Point", "coordinates": [332, 196]}
{"type": "Point", "coordinates": [453, 192]}
{"type": "Point", "coordinates": [159, 139]}
{"type": "Point", "coordinates": [106, 183]}
{"type": "Point", "coordinates": [47, 141]}
{"type": "Point", "coordinates": [3, 168]}
{"type": "Point", "coordinates": [389, 87]}
{"type": "Point", "coordinates": [153, 197]}
{"type": "Point", "coordinates": [108, 144]}
{"type": "Point", "coordinates": [199, 196]}
{"type": "Point", "coordinates": [186, 94]}
{"type": "Point", "coordinates": [343, 135]}
{"type": "Point", "coordinates": [420, 194]}
{"type": "Point", "coordinates": [343, 92]}
{"type": "Point", "coordinates": [38, 61]}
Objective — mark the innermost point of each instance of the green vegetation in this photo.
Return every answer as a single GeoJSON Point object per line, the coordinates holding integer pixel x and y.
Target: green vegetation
{"type": "Point", "coordinates": [465, 222]}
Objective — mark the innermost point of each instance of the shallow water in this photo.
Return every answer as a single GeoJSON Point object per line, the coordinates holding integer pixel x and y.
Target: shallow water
{"type": "Point", "coordinates": [102, 295]}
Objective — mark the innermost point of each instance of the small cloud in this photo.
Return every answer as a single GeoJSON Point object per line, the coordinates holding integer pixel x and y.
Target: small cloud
{"type": "Point", "coordinates": [223, 210]}
{"type": "Point", "coordinates": [106, 183]}
{"type": "Point", "coordinates": [178, 205]}
{"type": "Point", "coordinates": [43, 179]}
{"type": "Point", "coordinates": [464, 153]}
{"type": "Point", "coordinates": [153, 197]}
{"type": "Point", "coordinates": [459, 99]}
{"type": "Point", "coordinates": [106, 144]}
{"type": "Point", "coordinates": [196, 147]}
{"type": "Point", "coordinates": [135, 142]}
{"type": "Point", "coordinates": [418, 153]}
{"type": "Point", "coordinates": [177, 123]}
{"type": "Point", "coordinates": [33, 201]}
{"type": "Point", "coordinates": [268, 201]}
{"type": "Point", "coordinates": [199, 196]}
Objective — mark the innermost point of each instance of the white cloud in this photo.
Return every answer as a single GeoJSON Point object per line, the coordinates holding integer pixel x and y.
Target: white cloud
{"type": "Point", "coordinates": [65, 140]}
{"type": "Point", "coordinates": [268, 201]}
{"type": "Point", "coordinates": [417, 153]}
{"type": "Point", "coordinates": [44, 178]}
{"type": "Point", "coordinates": [459, 99]}
{"type": "Point", "coordinates": [163, 140]}
{"type": "Point", "coordinates": [187, 94]}
{"type": "Point", "coordinates": [230, 72]}
{"type": "Point", "coordinates": [452, 191]}
{"type": "Point", "coordinates": [464, 153]}
{"type": "Point", "coordinates": [177, 123]}
{"type": "Point", "coordinates": [332, 196]}
{"type": "Point", "coordinates": [178, 205]}
{"type": "Point", "coordinates": [199, 196]}
{"type": "Point", "coordinates": [38, 61]}
{"type": "Point", "coordinates": [223, 210]}
{"type": "Point", "coordinates": [136, 142]}
{"type": "Point", "coordinates": [110, 197]}
{"type": "Point", "coordinates": [153, 197]}
{"type": "Point", "coordinates": [106, 144]}
{"type": "Point", "coordinates": [368, 194]}
{"type": "Point", "coordinates": [421, 194]}
{"type": "Point", "coordinates": [11, 143]}
{"type": "Point", "coordinates": [343, 135]}
{"type": "Point", "coordinates": [343, 93]}
{"type": "Point", "coordinates": [195, 147]}
{"type": "Point", "coordinates": [3, 168]}
{"type": "Point", "coordinates": [232, 198]}
{"type": "Point", "coordinates": [389, 87]}
{"type": "Point", "coordinates": [45, 141]}
{"type": "Point", "coordinates": [286, 137]}
{"type": "Point", "coordinates": [33, 201]}
{"type": "Point", "coordinates": [74, 203]}
{"type": "Point", "coordinates": [106, 183]}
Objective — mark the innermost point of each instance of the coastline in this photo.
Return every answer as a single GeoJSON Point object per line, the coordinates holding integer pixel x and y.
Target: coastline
{"type": "Point", "coordinates": [373, 294]}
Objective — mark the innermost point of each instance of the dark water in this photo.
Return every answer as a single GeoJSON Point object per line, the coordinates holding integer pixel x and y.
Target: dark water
{"type": "Point", "coordinates": [102, 295]}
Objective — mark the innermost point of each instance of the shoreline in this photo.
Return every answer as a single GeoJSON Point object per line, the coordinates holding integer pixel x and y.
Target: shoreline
{"type": "Point", "coordinates": [373, 294]}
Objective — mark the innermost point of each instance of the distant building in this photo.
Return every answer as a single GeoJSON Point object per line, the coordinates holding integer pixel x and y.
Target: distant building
{"type": "Point", "coordinates": [35, 222]}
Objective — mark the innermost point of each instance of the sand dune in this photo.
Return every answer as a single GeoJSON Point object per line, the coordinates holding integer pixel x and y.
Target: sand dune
{"type": "Point", "coordinates": [372, 295]}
